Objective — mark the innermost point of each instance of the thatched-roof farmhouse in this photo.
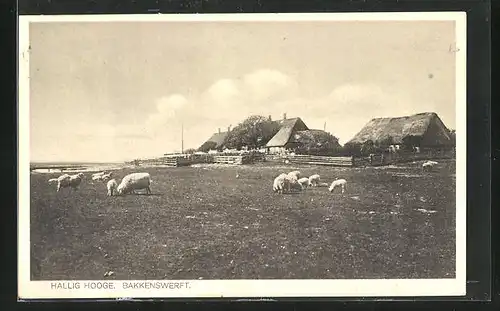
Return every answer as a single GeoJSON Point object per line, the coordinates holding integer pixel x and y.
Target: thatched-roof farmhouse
{"type": "Point", "coordinates": [285, 138]}
{"type": "Point", "coordinates": [292, 133]}
{"type": "Point", "coordinates": [425, 130]}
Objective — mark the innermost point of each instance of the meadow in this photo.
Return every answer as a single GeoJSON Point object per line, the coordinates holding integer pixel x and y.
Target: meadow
{"type": "Point", "coordinates": [205, 223]}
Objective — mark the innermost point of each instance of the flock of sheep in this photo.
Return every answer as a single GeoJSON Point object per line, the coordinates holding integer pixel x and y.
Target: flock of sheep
{"type": "Point", "coordinates": [140, 181]}
{"type": "Point", "coordinates": [129, 183]}
{"type": "Point", "coordinates": [292, 181]}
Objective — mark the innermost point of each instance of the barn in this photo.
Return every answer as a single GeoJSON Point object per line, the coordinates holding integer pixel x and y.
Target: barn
{"type": "Point", "coordinates": [422, 130]}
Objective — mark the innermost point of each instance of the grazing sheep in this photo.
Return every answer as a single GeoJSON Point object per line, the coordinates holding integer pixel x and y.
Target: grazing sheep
{"type": "Point", "coordinates": [73, 181]}
{"type": "Point", "coordinates": [280, 183]}
{"type": "Point", "coordinates": [134, 181]}
{"type": "Point", "coordinates": [52, 180]}
{"type": "Point", "coordinates": [432, 162]}
{"type": "Point", "coordinates": [60, 179]}
{"type": "Point", "coordinates": [102, 176]}
{"type": "Point", "coordinates": [314, 180]}
{"type": "Point", "coordinates": [336, 183]}
{"type": "Point", "coordinates": [427, 166]}
{"type": "Point", "coordinates": [304, 182]}
{"type": "Point", "coordinates": [106, 176]}
{"type": "Point", "coordinates": [97, 177]}
{"type": "Point", "coordinates": [111, 185]}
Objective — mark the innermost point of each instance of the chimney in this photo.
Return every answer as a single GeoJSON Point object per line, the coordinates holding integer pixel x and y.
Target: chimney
{"type": "Point", "coordinates": [284, 116]}
{"type": "Point", "coordinates": [229, 128]}
{"type": "Point", "coordinates": [270, 119]}
{"type": "Point", "coordinates": [219, 130]}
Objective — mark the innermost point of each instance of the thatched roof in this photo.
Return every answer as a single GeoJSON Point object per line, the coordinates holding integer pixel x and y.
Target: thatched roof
{"type": "Point", "coordinates": [284, 135]}
{"type": "Point", "coordinates": [421, 124]}
{"type": "Point", "coordinates": [218, 139]}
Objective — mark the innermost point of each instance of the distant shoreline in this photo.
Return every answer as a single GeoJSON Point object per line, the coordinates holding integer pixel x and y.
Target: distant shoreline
{"type": "Point", "coordinates": [76, 167]}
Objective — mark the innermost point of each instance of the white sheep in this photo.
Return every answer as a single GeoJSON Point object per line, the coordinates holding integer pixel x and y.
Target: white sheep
{"type": "Point", "coordinates": [432, 162]}
{"type": "Point", "coordinates": [280, 183]}
{"type": "Point", "coordinates": [314, 180]}
{"type": "Point", "coordinates": [304, 182]}
{"type": "Point", "coordinates": [59, 179]}
{"type": "Point", "coordinates": [338, 183]}
{"type": "Point", "coordinates": [73, 181]}
{"type": "Point", "coordinates": [106, 176]}
{"type": "Point", "coordinates": [111, 185]}
{"type": "Point", "coordinates": [98, 174]}
{"type": "Point", "coordinates": [134, 181]}
{"type": "Point", "coordinates": [427, 166]}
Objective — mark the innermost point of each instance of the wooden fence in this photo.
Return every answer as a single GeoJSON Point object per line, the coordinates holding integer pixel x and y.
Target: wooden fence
{"type": "Point", "coordinates": [177, 161]}
{"type": "Point", "coordinates": [401, 157]}
{"type": "Point", "coordinates": [320, 160]}
{"type": "Point", "coordinates": [232, 159]}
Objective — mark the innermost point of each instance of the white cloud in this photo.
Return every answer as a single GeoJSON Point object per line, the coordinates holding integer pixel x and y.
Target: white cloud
{"type": "Point", "coordinates": [265, 92]}
{"type": "Point", "coordinates": [269, 92]}
{"type": "Point", "coordinates": [266, 84]}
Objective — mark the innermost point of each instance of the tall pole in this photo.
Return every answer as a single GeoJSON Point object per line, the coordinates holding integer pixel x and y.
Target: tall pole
{"type": "Point", "coordinates": [324, 127]}
{"type": "Point", "coordinates": [182, 137]}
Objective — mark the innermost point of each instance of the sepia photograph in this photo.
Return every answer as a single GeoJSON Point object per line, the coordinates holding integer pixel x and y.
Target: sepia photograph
{"type": "Point", "coordinates": [242, 155]}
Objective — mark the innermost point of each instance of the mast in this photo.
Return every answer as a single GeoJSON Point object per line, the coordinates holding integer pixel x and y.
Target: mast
{"type": "Point", "coordinates": [182, 137]}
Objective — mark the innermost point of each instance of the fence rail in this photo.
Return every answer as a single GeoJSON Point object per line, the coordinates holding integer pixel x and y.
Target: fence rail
{"type": "Point", "coordinates": [320, 160]}
{"type": "Point", "coordinates": [177, 161]}
{"type": "Point", "coordinates": [233, 159]}
{"type": "Point", "coordinates": [393, 158]}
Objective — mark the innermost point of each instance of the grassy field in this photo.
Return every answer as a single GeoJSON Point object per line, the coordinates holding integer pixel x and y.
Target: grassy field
{"type": "Point", "coordinates": [203, 222]}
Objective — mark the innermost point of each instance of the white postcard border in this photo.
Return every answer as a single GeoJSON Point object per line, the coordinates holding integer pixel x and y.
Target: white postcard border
{"type": "Point", "coordinates": [28, 289]}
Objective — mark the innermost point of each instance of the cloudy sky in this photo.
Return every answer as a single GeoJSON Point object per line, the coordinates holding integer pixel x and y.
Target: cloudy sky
{"type": "Point", "coordinates": [117, 91]}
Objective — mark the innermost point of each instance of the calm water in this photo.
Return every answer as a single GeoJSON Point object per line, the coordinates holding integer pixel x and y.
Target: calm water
{"type": "Point", "coordinates": [49, 168]}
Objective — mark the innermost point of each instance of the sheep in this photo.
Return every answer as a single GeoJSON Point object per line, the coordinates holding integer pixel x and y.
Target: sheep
{"type": "Point", "coordinates": [59, 179]}
{"type": "Point", "coordinates": [134, 181]}
{"type": "Point", "coordinates": [432, 162]}
{"type": "Point", "coordinates": [111, 185]}
{"type": "Point", "coordinates": [102, 176]}
{"type": "Point", "coordinates": [106, 176]}
{"type": "Point", "coordinates": [280, 183]}
{"type": "Point", "coordinates": [314, 180]}
{"type": "Point", "coordinates": [427, 166]}
{"type": "Point", "coordinates": [73, 181]}
{"type": "Point", "coordinates": [99, 174]}
{"type": "Point", "coordinates": [304, 182]}
{"type": "Point", "coordinates": [338, 182]}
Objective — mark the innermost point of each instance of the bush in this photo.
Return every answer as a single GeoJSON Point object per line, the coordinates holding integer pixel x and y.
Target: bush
{"type": "Point", "coordinates": [254, 132]}
{"type": "Point", "coordinates": [318, 143]}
